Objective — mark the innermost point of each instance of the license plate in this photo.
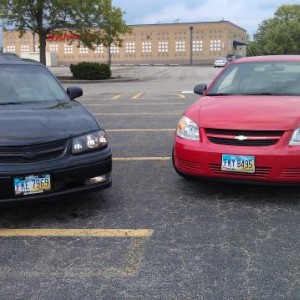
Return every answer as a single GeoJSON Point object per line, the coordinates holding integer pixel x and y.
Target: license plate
{"type": "Point", "coordinates": [33, 184]}
{"type": "Point", "coordinates": [238, 163]}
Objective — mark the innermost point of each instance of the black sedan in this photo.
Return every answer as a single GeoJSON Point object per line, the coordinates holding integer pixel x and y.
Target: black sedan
{"type": "Point", "coordinates": [50, 144]}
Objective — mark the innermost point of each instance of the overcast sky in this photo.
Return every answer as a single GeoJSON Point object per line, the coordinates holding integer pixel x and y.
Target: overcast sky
{"type": "Point", "coordinates": [247, 14]}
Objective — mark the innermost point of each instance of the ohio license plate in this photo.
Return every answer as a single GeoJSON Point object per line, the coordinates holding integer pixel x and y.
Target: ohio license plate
{"type": "Point", "coordinates": [33, 184]}
{"type": "Point", "coordinates": [238, 163]}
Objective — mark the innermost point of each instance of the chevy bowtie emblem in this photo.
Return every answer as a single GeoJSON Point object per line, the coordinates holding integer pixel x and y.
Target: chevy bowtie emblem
{"type": "Point", "coordinates": [241, 138]}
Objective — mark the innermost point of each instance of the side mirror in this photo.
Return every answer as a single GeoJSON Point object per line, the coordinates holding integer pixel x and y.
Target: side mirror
{"type": "Point", "coordinates": [74, 92]}
{"type": "Point", "coordinates": [200, 89]}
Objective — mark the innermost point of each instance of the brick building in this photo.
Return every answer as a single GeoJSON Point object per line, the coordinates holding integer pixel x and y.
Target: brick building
{"type": "Point", "coordinates": [176, 43]}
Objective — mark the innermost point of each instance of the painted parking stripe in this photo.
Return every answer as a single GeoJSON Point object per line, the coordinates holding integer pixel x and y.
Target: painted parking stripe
{"type": "Point", "coordinates": [142, 130]}
{"type": "Point", "coordinates": [132, 233]}
{"type": "Point", "coordinates": [137, 114]}
{"type": "Point", "coordinates": [117, 96]}
{"type": "Point", "coordinates": [136, 96]}
{"type": "Point", "coordinates": [147, 158]}
{"type": "Point", "coordinates": [187, 92]}
{"type": "Point", "coordinates": [135, 104]}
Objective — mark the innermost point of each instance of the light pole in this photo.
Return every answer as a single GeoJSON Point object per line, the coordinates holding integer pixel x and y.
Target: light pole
{"type": "Point", "coordinates": [191, 45]}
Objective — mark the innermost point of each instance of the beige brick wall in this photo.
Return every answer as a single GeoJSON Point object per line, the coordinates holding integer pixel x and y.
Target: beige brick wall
{"type": "Point", "coordinates": [148, 44]}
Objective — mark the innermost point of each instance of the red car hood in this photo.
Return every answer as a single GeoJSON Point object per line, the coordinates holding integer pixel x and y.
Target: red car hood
{"type": "Point", "coordinates": [247, 112]}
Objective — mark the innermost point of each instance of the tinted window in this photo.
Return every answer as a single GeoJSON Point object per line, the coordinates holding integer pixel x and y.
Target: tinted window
{"type": "Point", "coordinates": [21, 83]}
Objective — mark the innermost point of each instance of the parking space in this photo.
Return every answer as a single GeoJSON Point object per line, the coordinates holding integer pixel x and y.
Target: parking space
{"type": "Point", "coordinates": [152, 235]}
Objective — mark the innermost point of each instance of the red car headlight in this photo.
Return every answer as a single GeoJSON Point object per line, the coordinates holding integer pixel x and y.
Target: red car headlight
{"type": "Point", "coordinates": [188, 129]}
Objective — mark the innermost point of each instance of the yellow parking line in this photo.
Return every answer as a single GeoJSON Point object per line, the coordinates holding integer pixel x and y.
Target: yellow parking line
{"type": "Point", "coordinates": [141, 130]}
{"type": "Point", "coordinates": [182, 96]}
{"type": "Point", "coordinates": [148, 158]}
{"type": "Point", "coordinates": [137, 95]}
{"type": "Point", "coordinates": [137, 114]}
{"type": "Point", "coordinates": [133, 233]}
{"type": "Point", "coordinates": [117, 96]}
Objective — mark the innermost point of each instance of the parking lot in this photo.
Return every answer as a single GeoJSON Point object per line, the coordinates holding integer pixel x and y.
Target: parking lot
{"type": "Point", "coordinates": [153, 234]}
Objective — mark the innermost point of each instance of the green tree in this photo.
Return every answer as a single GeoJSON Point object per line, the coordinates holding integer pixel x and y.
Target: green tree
{"type": "Point", "coordinates": [280, 34]}
{"type": "Point", "coordinates": [253, 48]}
{"type": "Point", "coordinates": [91, 22]}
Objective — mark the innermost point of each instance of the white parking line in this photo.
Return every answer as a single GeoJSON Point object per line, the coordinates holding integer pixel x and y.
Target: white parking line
{"type": "Point", "coordinates": [187, 92]}
{"type": "Point", "coordinates": [148, 158]}
{"type": "Point", "coordinates": [142, 130]}
{"type": "Point", "coordinates": [137, 114]}
{"type": "Point", "coordinates": [136, 104]}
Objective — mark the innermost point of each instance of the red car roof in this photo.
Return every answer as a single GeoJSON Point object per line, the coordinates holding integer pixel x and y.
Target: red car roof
{"type": "Point", "coordinates": [268, 58]}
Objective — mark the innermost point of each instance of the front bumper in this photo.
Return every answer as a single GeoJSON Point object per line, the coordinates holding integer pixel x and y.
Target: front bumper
{"type": "Point", "coordinates": [274, 164]}
{"type": "Point", "coordinates": [65, 179]}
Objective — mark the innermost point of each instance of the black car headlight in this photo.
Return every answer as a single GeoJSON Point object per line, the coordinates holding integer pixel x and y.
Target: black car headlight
{"type": "Point", "coordinates": [89, 142]}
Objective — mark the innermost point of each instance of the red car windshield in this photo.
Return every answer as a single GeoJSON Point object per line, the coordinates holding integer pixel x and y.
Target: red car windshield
{"type": "Point", "coordinates": [258, 78]}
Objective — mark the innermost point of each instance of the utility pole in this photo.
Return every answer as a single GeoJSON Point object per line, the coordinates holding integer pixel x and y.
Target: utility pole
{"type": "Point", "coordinates": [191, 45]}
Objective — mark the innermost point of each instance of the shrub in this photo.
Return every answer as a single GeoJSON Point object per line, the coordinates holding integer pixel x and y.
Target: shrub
{"type": "Point", "coordinates": [90, 70]}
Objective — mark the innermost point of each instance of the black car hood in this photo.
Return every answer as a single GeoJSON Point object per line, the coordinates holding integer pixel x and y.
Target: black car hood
{"type": "Point", "coordinates": [25, 124]}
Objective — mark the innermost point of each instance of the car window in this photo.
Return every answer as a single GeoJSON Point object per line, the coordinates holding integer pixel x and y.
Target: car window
{"type": "Point", "coordinates": [21, 83]}
{"type": "Point", "coordinates": [276, 78]}
{"type": "Point", "coordinates": [228, 82]}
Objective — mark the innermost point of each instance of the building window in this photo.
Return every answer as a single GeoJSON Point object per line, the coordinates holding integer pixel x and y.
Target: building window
{"type": "Point", "coordinates": [197, 46]}
{"type": "Point", "coordinates": [68, 49]}
{"type": "Point", "coordinates": [163, 46]}
{"type": "Point", "coordinates": [215, 45]}
{"type": "Point", "coordinates": [146, 47]}
{"type": "Point", "coordinates": [54, 48]}
{"type": "Point", "coordinates": [83, 49]}
{"type": "Point", "coordinates": [130, 47]}
{"type": "Point", "coordinates": [180, 46]}
{"type": "Point", "coordinates": [99, 49]}
{"type": "Point", "coordinates": [11, 49]}
{"type": "Point", "coordinates": [114, 49]}
{"type": "Point", "coordinates": [25, 48]}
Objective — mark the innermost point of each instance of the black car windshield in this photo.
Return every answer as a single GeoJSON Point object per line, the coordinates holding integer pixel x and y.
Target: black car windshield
{"type": "Point", "coordinates": [21, 83]}
{"type": "Point", "coordinates": [258, 78]}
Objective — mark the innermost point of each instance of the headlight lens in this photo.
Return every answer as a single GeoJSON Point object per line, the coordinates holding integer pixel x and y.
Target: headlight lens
{"type": "Point", "coordinates": [89, 142]}
{"type": "Point", "coordinates": [295, 139]}
{"type": "Point", "coordinates": [188, 129]}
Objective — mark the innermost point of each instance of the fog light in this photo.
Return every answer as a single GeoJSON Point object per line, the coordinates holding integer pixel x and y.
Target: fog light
{"type": "Point", "coordinates": [98, 179]}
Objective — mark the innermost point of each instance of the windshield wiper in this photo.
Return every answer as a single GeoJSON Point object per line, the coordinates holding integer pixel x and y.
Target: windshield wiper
{"type": "Point", "coordinates": [219, 94]}
{"type": "Point", "coordinates": [260, 94]}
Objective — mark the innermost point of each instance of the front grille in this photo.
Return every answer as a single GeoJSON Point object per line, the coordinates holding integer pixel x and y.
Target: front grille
{"type": "Point", "coordinates": [243, 137]}
{"type": "Point", "coordinates": [227, 141]}
{"type": "Point", "coordinates": [32, 153]}
{"type": "Point", "coordinates": [261, 172]}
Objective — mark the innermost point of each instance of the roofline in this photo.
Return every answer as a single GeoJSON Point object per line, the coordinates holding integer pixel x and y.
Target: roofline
{"type": "Point", "coordinates": [188, 23]}
{"type": "Point", "coordinates": [172, 24]}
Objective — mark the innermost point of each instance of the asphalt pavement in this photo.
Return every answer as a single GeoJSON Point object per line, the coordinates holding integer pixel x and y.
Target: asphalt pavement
{"type": "Point", "coordinates": [153, 234]}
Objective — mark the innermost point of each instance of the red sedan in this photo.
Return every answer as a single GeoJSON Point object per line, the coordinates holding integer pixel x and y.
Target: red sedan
{"type": "Point", "coordinates": [246, 125]}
